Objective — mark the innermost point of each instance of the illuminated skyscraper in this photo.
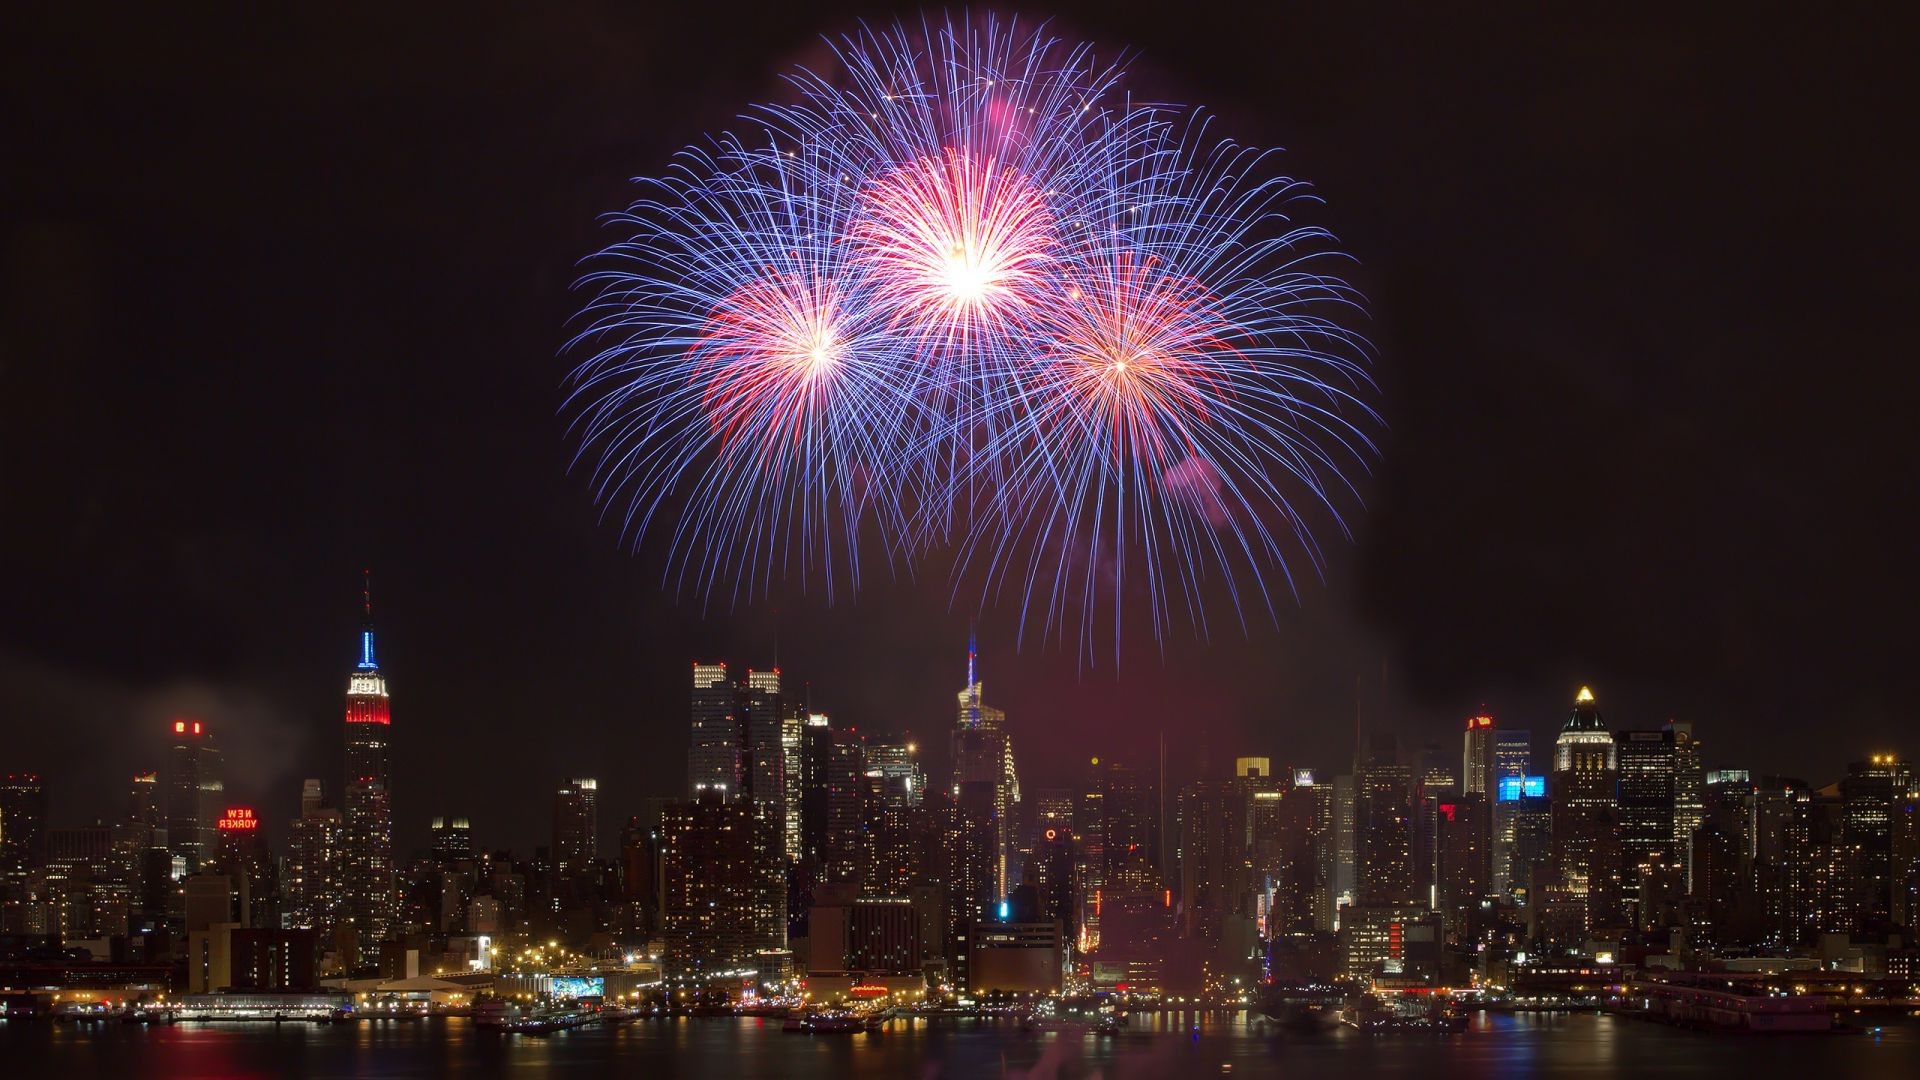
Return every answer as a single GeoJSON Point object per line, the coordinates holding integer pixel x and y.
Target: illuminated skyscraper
{"type": "Point", "coordinates": [1646, 793]}
{"type": "Point", "coordinates": [1477, 760]}
{"type": "Point", "coordinates": [1302, 895]}
{"type": "Point", "coordinates": [816, 750]}
{"type": "Point", "coordinates": [368, 814]}
{"type": "Point", "coordinates": [196, 794]}
{"type": "Point", "coordinates": [1689, 791]}
{"type": "Point", "coordinates": [1512, 758]}
{"type": "Point", "coordinates": [23, 825]}
{"type": "Point", "coordinates": [793, 773]}
{"type": "Point", "coordinates": [1465, 864]}
{"type": "Point", "coordinates": [1383, 833]}
{"type": "Point", "coordinates": [718, 908]}
{"type": "Point", "coordinates": [713, 755]}
{"type": "Point", "coordinates": [1585, 803]}
{"type": "Point", "coordinates": [763, 719]}
{"type": "Point", "coordinates": [1869, 796]}
{"type": "Point", "coordinates": [314, 886]}
{"type": "Point", "coordinates": [450, 839]}
{"type": "Point", "coordinates": [983, 754]}
{"type": "Point", "coordinates": [846, 852]}
{"type": "Point", "coordinates": [903, 781]}
{"type": "Point", "coordinates": [576, 826]}
{"type": "Point", "coordinates": [143, 801]}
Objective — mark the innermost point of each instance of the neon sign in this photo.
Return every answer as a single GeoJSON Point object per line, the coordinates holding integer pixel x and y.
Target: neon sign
{"type": "Point", "coordinates": [240, 818]}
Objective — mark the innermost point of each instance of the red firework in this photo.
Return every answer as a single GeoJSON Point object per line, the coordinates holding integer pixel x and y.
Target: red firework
{"type": "Point", "coordinates": [769, 354]}
{"type": "Point", "coordinates": [957, 243]}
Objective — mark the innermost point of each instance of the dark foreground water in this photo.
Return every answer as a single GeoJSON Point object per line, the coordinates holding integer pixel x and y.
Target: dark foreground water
{"type": "Point", "coordinates": [1496, 1046]}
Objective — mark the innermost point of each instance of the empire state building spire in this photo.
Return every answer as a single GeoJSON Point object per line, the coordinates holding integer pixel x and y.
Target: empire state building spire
{"type": "Point", "coordinates": [367, 662]}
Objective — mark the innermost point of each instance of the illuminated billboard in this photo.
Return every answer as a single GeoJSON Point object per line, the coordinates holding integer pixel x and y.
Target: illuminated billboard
{"type": "Point", "coordinates": [1513, 787]}
{"type": "Point", "coordinates": [577, 986]}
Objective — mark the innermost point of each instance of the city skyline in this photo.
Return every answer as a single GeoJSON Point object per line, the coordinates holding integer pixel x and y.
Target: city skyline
{"type": "Point", "coordinates": [1483, 729]}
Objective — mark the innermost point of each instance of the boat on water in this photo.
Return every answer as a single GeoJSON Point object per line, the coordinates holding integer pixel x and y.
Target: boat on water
{"type": "Point", "coordinates": [1075, 1017]}
{"type": "Point", "coordinates": [830, 1023]}
{"type": "Point", "coordinates": [546, 1023]}
{"type": "Point", "coordinates": [508, 1017]}
{"type": "Point", "coordinates": [1372, 1015]}
{"type": "Point", "coordinates": [1302, 1008]}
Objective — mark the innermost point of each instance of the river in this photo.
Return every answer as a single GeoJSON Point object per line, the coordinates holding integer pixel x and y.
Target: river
{"type": "Point", "coordinates": [1167, 1046]}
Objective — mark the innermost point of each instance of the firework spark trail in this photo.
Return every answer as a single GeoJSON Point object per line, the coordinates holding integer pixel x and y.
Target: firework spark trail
{"type": "Point", "coordinates": [965, 290]}
{"type": "Point", "coordinates": [1190, 377]}
{"type": "Point", "coordinates": [735, 368]}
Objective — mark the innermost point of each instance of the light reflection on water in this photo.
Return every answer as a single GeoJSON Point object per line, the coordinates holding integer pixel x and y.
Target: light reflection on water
{"type": "Point", "coordinates": [1166, 1044]}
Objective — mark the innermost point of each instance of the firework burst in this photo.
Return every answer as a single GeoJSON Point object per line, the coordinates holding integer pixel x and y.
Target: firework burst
{"type": "Point", "coordinates": [962, 291]}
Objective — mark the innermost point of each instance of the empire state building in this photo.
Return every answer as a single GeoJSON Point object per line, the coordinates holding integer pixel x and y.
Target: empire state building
{"type": "Point", "coordinates": [368, 816]}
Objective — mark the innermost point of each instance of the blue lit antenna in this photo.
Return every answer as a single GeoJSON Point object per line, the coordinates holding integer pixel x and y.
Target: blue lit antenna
{"type": "Point", "coordinates": [973, 681]}
{"type": "Point", "coordinates": [366, 621]}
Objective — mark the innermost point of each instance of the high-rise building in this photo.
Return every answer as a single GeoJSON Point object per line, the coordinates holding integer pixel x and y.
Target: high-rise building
{"type": "Point", "coordinates": [844, 852]}
{"type": "Point", "coordinates": [965, 860]}
{"type": "Point", "coordinates": [1689, 791]}
{"type": "Point", "coordinates": [196, 793]}
{"type": "Point", "coordinates": [983, 753]}
{"type": "Point", "coordinates": [1126, 831]}
{"type": "Point", "coordinates": [450, 839]}
{"type": "Point", "coordinates": [23, 825]}
{"type": "Point", "coordinates": [1512, 758]}
{"type": "Point", "coordinates": [1345, 855]}
{"type": "Point", "coordinates": [1781, 858]}
{"type": "Point", "coordinates": [763, 718]}
{"type": "Point", "coordinates": [793, 773]}
{"type": "Point", "coordinates": [1218, 894]}
{"type": "Point", "coordinates": [576, 826]}
{"type": "Point", "coordinates": [1383, 833]}
{"type": "Point", "coordinates": [1529, 848]}
{"type": "Point", "coordinates": [897, 763]}
{"type": "Point", "coordinates": [1089, 831]}
{"type": "Point", "coordinates": [367, 818]}
{"type": "Point", "coordinates": [314, 888]}
{"type": "Point", "coordinates": [140, 848]}
{"type": "Point", "coordinates": [1465, 865]}
{"type": "Point", "coordinates": [1869, 796]}
{"type": "Point", "coordinates": [1585, 803]}
{"type": "Point", "coordinates": [244, 858]}
{"type": "Point", "coordinates": [1302, 901]}
{"type": "Point", "coordinates": [816, 751]}
{"type": "Point", "coordinates": [1477, 764]}
{"type": "Point", "coordinates": [710, 893]}
{"type": "Point", "coordinates": [1646, 797]}
{"type": "Point", "coordinates": [143, 801]}
{"type": "Point", "coordinates": [713, 755]}
{"type": "Point", "coordinates": [640, 874]}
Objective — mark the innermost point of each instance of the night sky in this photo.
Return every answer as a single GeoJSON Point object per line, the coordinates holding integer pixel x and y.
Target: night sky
{"type": "Point", "coordinates": [282, 294]}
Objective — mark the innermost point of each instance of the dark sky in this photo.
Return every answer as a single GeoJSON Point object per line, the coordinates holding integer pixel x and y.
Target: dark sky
{"type": "Point", "coordinates": [281, 293]}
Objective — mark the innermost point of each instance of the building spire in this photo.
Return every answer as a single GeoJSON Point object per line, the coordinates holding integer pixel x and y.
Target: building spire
{"type": "Point", "coordinates": [367, 662]}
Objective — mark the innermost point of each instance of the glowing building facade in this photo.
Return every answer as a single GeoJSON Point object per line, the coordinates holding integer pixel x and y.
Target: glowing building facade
{"type": "Point", "coordinates": [367, 816]}
{"type": "Point", "coordinates": [196, 793]}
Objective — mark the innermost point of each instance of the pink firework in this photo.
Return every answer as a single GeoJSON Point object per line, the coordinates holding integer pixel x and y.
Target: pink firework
{"type": "Point", "coordinates": [771, 353]}
{"type": "Point", "coordinates": [957, 245]}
